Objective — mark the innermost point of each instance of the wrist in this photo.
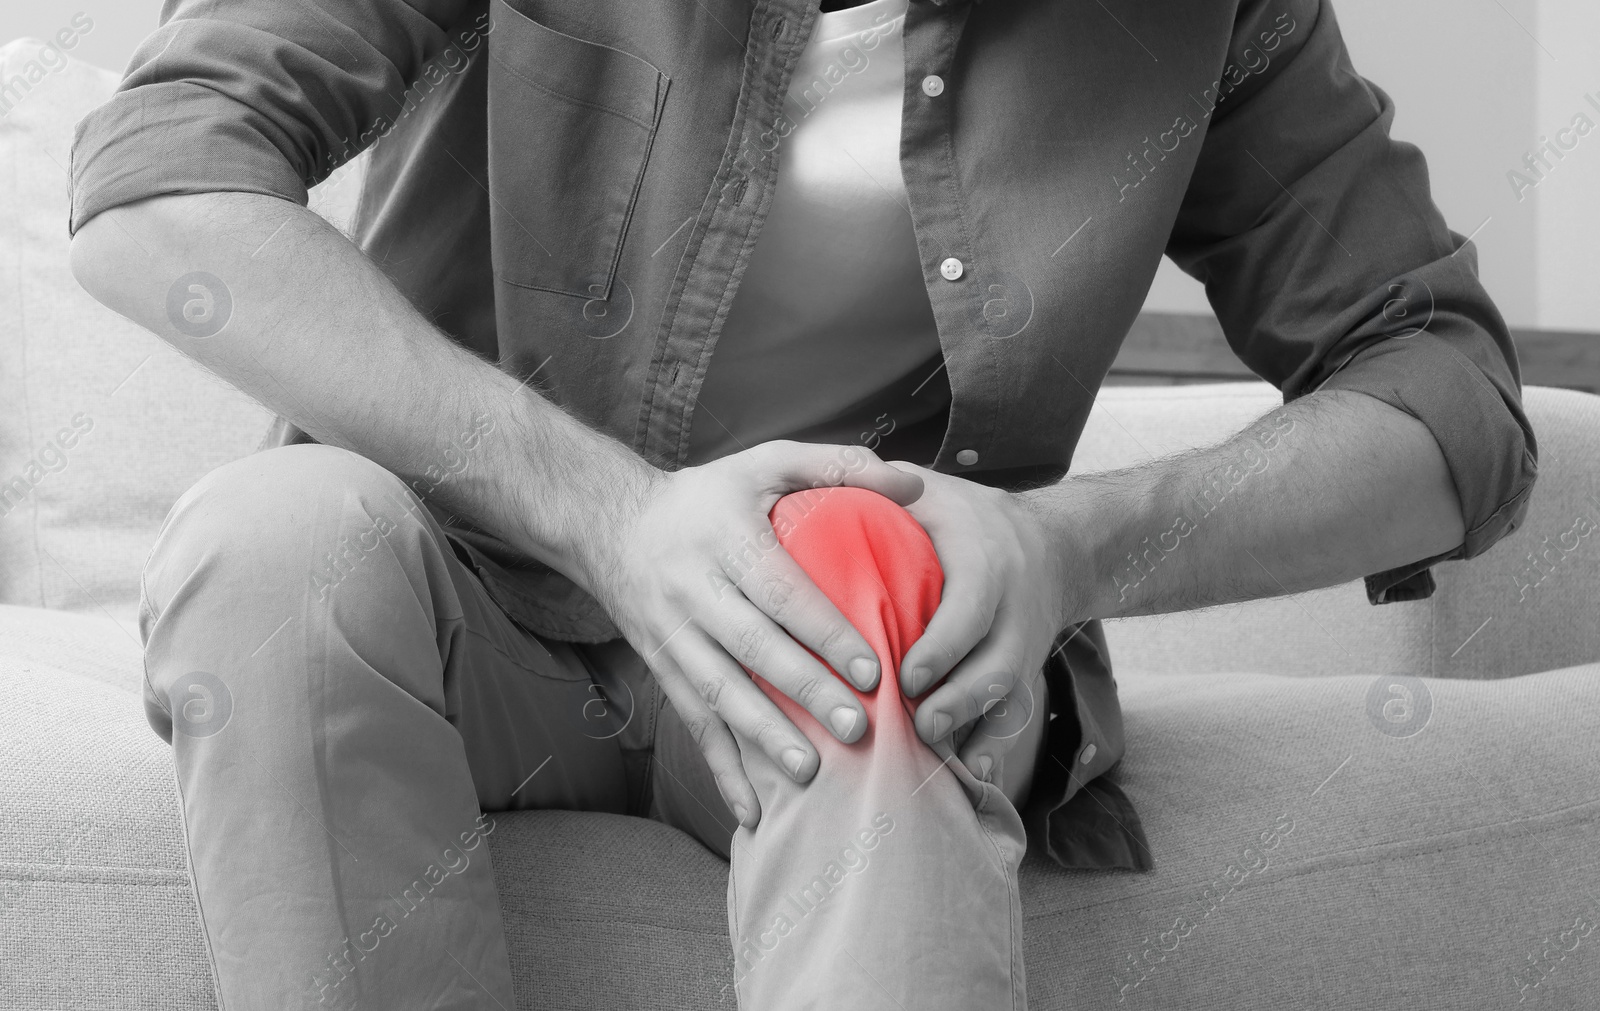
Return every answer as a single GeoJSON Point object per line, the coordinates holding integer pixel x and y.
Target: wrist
{"type": "Point", "coordinates": [1056, 514]}
{"type": "Point", "coordinates": [1085, 521]}
{"type": "Point", "coordinates": [602, 519]}
{"type": "Point", "coordinates": [576, 513]}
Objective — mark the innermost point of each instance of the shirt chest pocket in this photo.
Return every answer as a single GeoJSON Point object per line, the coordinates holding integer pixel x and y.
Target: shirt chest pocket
{"type": "Point", "coordinates": [570, 129]}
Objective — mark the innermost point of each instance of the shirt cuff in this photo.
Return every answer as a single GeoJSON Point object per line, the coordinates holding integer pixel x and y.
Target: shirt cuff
{"type": "Point", "coordinates": [1082, 819]}
{"type": "Point", "coordinates": [1480, 427]}
{"type": "Point", "coordinates": [175, 137]}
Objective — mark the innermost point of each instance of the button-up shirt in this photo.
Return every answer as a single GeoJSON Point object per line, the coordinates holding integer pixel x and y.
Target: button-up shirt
{"type": "Point", "coordinates": [576, 188]}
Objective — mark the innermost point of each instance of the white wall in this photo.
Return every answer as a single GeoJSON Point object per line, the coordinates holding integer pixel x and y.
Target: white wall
{"type": "Point", "coordinates": [119, 25]}
{"type": "Point", "coordinates": [1473, 89]}
{"type": "Point", "coordinates": [1567, 203]}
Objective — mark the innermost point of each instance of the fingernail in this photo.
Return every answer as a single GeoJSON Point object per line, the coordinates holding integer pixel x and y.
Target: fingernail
{"type": "Point", "coordinates": [793, 760]}
{"type": "Point", "coordinates": [844, 721]}
{"type": "Point", "coordinates": [941, 725]}
{"type": "Point", "coordinates": [864, 673]}
{"type": "Point", "coordinates": [985, 763]}
{"type": "Point", "coordinates": [739, 810]}
{"type": "Point", "coordinates": [917, 681]}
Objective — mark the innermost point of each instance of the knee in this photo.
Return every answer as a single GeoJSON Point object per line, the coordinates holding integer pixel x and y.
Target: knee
{"type": "Point", "coordinates": [870, 557]}
{"type": "Point", "coordinates": [308, 547]}
{"type": "Point", "coordinates": [305, 514]}
{"type": "Point", "coordinates": [835, 519]}
{"type": "Point", "coordinates": [856, 538]}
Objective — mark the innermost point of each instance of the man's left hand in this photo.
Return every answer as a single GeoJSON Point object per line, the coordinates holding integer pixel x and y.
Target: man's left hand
{"type": "Point", "coordinates": [1006, 596]}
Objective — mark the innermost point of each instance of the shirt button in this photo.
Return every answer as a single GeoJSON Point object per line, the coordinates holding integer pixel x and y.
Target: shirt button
{"type": "Point", "coordinates": [933, 85]}
{"type": "Point", "coordinates": [967, 457]}
{"type": "Point", "coordinates": [1088, 754]}
{"type": "Point", "coordinates": [951, 269]}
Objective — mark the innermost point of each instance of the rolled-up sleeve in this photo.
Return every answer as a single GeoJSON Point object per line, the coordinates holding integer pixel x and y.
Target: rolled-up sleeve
{"type": "Point", "coordinates": [255, 96]}
{"type": "Point", "coordinates": [1329, 267]}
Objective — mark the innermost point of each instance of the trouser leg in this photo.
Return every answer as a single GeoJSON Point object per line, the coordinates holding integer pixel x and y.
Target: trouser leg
{"type": "Point", "coordinates": [890, 880]}
{"type": "Point", "coordinates": [342, 697]}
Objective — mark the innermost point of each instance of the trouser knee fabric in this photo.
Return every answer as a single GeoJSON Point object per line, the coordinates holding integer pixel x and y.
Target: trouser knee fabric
{"type": "Point", "coordinates": [890, 879]}
{"type": "Point", "coordinates": [348, 706]}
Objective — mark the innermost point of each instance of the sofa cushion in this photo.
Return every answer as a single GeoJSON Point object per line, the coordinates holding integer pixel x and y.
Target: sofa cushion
{"type": "Point", "coordinates": [102, 425]}
{"type": "Point", "coordinates": [1501, 614]}
{"type": "Point", "coordinates": [1307, 839]}
{"type": "Point", "coordinates": [91, 853]}
{"type": "Point", "coordinates": [1311, 851]}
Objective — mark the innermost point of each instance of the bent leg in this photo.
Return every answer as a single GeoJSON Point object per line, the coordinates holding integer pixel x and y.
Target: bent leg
{"type": "Point", "coordinates": [890, 880]}
{"type": "Point", "coordinates": [341, 696]}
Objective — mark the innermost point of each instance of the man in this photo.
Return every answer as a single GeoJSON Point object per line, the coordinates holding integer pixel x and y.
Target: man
{"type": "Point", "coordinates": [723, 252]}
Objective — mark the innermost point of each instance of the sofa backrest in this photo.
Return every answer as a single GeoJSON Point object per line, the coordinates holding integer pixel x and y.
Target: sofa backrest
{"type": "Point", "coordinates": [1530, 603]}
{"type": "Point", "coordinates": [102, 425]}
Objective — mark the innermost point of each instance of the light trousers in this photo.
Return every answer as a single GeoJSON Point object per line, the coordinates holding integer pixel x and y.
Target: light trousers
{"type": "Point", "coordinates": [348, 707]}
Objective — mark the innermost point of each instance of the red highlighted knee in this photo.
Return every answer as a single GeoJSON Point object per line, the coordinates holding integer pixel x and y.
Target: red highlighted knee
{"type": "Point", "coordinates": [871, 558]}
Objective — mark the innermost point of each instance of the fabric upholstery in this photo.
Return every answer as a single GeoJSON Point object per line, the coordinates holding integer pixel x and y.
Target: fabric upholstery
{"type": "Point", "coordinates": [95, 905]}
{"type": "Point", "coordinates": [1347, 868]}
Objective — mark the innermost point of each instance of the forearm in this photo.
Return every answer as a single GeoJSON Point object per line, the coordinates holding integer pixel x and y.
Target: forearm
{"type": "Point", "coordinates": [1332, 487]}
{"type": "Point", "coordinates": [319, 335]}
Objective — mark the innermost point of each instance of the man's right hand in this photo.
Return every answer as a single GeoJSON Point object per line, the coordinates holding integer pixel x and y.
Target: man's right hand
{"type": "Point", "coordinates": [689, 568]}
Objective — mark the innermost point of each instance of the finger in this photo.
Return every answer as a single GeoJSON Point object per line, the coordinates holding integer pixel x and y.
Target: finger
{"type": "Point", "coordinates": [757, 642]}
{"type": "Point", "coordinates": [797, 465]}
{"type": "Point", "coordinates": [744, 707]}
{"type": "Point", "coordinates": [1000, 728]}
{"type": "Point", "coordinates": [979, 683]}
{"type": "Point", "coordinates": [964, 617]}
{"type": "Point", "coordinates": [784, 592]}
{"type": "Point", "coordinates": [715, 741]}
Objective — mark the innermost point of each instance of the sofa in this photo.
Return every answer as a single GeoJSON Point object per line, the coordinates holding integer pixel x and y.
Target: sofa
{"type": "Point", "coordinates": [1347, 806]}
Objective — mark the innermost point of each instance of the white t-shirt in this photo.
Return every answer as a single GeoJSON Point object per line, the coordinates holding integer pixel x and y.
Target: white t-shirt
{"type": "Point", "coordinates": [831, 330]}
